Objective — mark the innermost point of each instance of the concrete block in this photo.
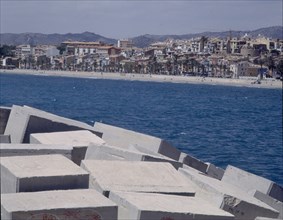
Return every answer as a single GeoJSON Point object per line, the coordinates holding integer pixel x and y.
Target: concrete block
{"type": "Point", "coordinates": [214, 171]}
{"type": "Point", "coordinates": [144, 206]}
{"type": "Point", "coordinates": [120, 137]}
{"type": "Point", "coordinates": [78, 139]}
{"type": "Point", "coordinates": [263, 218]}
{"type": "Point", "coordinates": [55, 205]}
{"type": "Point", "coordinates": [275, 204]}
{"type": "Point", "coordinates": [228, 197]}
{"type": "Point", "coordinates": [250, 182]}
{"type": "Point", "coordinates": [136, 176]}
{"type": "Point", "coordinates": [5, 139]}
{"type": "Point", "coordinates": [24, 121]}
{"type": "Point", "coordinates": [40, 173]}
{"type": "Point", "coordinates": [8, 150]}
{"type": "Point", "coordinates": [106, 152]}
{"type": "Point", "coordinates": [193, 162]}
{"type": "Point", "coordinates": [4, 116]}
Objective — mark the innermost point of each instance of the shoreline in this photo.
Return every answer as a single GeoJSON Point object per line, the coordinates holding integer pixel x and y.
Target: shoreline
{"type": "Point", "coordinates": [266, 83]}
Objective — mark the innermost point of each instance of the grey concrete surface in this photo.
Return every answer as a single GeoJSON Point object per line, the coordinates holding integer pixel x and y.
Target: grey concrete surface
{"type": "Point", "coordinates": [80, 141]}
{"type": "Point", "coordinates": [145, 206]}
{"type": "Point", "coordinates": [24, 121]}
{"type": "Point", "coordinates": [193, 162]}
{"type": "Point", "coordinates": [228, 197]}
{"type": "Point", "coordinates": [277, 205]}
{"type": "Point", "coordinates": [136, 176]}
{"type": "Point", "coordinates": [207, 168]}
{"type": "Point", "coordinates": [125, 138]}
{"type": "Point", "coordinates": [5, 139]}
{"type": "Point", "coordinates": [250, 182]}
{"type": "Point", "coordinates": [40, 173]}
{"type": "Point", "coordinates": [8, 150]}
{"type": "Point", "coordinates": [263, 218]}
{"type": "Point", "coordinates": [107, 152]}
{"type": "Point", "coordinates": [4, 116]}
{"type": "Point", "coordinates": [84, 204]}
{"type": "Point", "coordinates": [214, 171]}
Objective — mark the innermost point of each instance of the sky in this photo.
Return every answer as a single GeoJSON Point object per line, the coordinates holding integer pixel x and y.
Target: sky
{"type": "Point", "coordinates": [125, 19]}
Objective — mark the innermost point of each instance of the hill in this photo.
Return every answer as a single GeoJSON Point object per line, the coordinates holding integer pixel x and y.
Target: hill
{"type": "Point", "coordinates": [274, 32]}
{"type": "Point", "coordinates": [51, 39]}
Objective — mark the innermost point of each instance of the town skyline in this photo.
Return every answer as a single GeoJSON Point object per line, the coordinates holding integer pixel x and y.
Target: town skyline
{"type": "Point", "coordinates": [127, 19]}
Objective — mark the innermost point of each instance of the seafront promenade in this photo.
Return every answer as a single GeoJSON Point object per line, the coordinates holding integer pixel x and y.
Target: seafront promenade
{"type": "Point", "coordinates": [243, 82]}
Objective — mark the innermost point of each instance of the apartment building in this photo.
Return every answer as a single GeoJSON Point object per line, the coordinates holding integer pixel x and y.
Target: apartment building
{"type": "Point", "coordinates": [125, 43]}
{"type": "Point", "coordinates": [239, 69]}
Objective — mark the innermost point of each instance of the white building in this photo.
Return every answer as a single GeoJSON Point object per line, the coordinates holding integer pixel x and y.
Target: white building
{"type": "Point", "coordinates": [23, 50]}
{"type": "Point", "coordinates": [239, 69]}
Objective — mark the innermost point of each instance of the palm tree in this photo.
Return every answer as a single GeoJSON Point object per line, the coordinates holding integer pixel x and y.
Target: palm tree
{"type": "Point", "coordinates": [271, 64]}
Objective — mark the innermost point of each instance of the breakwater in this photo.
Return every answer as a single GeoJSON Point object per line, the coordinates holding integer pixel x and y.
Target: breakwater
{"type": "Point", "coordinates": [107, 172]}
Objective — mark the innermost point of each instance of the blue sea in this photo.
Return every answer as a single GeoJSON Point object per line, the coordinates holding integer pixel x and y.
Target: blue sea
{"type": "Point", "coordinates": [218, 124]}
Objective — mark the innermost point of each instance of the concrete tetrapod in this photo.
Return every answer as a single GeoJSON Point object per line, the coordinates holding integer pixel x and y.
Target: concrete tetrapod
{"type": "Point", "coordinates": [40, 173]}
{"type": "Point", "coordinates": [84, 204]}
{"type": "Point", "coordinates": [80, 141]}
{"type": "Point", "coordinates": [145, 206]}
{"type": "Point", "coordinates": [277, 205]}
{"type": "Point", "coordinates": [106, 152]}
{"type": "Point", "coordinates": [250, 182]}
{"type": "Point", "coordinates": [228, 197]}
{"type": "Point", "coordinates": [208, 168]}
{"type": "Point", "coordinates": [24, 121]}
{"type": "Point", "coordinates": [8, 150]}
{"type": "Point", "coordinates": [5, 139]}
{"type": "Point", "coordinates": [136, 176]}
{"type": "Point", "coordinates": [4, 116]}
{"type": "Point", "coordinates": [120, 137]}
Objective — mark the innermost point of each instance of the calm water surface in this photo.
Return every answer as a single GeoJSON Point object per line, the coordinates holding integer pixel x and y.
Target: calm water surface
{"type": "Point", "coordinates": [218, 124]}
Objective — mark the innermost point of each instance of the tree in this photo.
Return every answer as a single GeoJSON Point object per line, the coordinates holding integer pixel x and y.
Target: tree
{"type": "Point", "coordinates": [61, 48]}
{"type": "Point", "coordinates": [279, 68]}
{"type": "Point", "coordinates": [271, 64]}
{"type": "Point", "coordinates": [7, 50]}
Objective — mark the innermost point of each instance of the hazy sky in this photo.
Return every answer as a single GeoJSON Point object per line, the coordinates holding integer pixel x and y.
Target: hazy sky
{"type": "Point", "coordinates": [122, 19]}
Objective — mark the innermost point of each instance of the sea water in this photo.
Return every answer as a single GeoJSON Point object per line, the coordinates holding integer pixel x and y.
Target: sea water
{"type": "Point", "coordinates": [218, 124]}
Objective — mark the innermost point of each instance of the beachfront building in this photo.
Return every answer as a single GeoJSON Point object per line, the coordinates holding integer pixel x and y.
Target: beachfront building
{"type": "Point", "coordinates": [236, 45]}
{"type": "Point", "coordinates": [239, 69]}
{"type": "Point", "coordinates": [256, 71]}
{"type": "Point", "coordinates": [125, 43]}
{"type": "Point", "coordinates": [81, 48]}
{"type": "Point", "coordinates": [23, 50]}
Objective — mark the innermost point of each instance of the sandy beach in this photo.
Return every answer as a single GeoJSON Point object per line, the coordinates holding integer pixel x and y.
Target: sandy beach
{"type": "Point", "coordinates": [249, 82]}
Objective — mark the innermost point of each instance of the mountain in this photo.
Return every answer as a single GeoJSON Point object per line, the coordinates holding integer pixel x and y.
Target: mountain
{"type": "Point", "coordinates": [51, 39]}
{"type": "Point", "coordinates": [274, 32]}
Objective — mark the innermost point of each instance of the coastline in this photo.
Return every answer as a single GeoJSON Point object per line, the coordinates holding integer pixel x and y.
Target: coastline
{"type": "Point", "coordinates": [266, 83]}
